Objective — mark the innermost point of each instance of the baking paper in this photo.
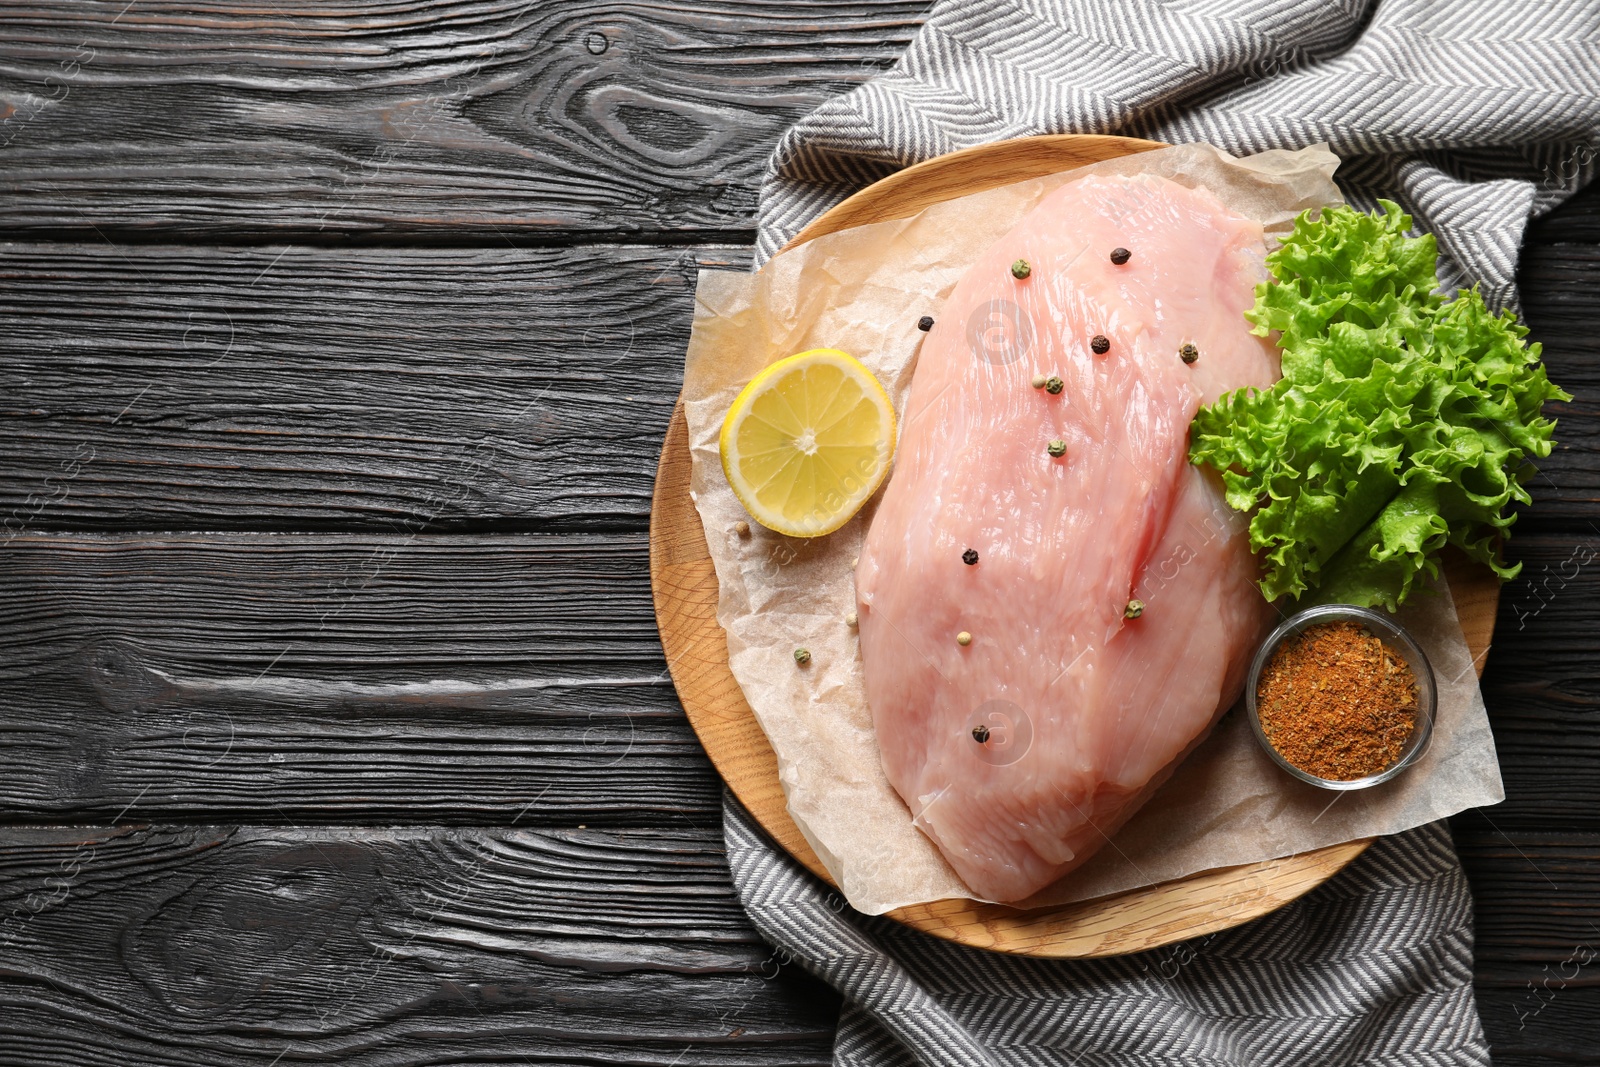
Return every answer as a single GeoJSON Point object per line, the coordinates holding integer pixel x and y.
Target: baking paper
{"type": "Point", "coordinates": [863, 290]}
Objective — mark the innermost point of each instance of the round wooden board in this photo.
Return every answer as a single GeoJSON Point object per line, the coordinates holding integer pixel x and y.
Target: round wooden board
{"type": "Point", "coordinates": [685, 588]}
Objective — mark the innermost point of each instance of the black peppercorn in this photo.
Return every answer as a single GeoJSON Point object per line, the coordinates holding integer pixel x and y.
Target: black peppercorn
{"type": "Point", "coordinates": [1188, 353]}
{"type": "Point", "coordinates": [925, 323]}
{"type": "Point", "coordinates": [1119, 256]}
{"type": "Point", "coordinates": [1100, 344]}
{"type": "Point", "coordinates": [970, 556]}
{"type": "Point", "coordinates": [980, 734]}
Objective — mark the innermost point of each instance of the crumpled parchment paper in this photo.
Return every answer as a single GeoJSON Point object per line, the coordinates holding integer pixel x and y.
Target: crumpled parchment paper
{"type": "Point", "coordinates": [863, 290]}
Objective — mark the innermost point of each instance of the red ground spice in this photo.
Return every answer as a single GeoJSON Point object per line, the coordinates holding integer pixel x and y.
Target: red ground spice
{"type": "Point", "coordinates": [1337, 702]}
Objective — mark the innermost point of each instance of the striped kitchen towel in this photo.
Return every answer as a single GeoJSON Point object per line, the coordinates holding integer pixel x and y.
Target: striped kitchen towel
{"type": "Point", "coordinates": [1475, 115]}
{"type": "Point", "coordinates": [1372, 967]}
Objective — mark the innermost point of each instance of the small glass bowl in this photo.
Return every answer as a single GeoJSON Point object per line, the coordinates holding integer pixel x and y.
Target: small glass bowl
{"type": "Point", "coordinates": [1390, 633]}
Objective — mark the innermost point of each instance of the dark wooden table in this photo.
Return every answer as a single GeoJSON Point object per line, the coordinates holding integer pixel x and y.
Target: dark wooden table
{"type": "Point", "coordinates": [339, 342]}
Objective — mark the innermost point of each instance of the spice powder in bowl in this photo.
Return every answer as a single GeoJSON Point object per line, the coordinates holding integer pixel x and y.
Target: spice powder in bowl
{"type": "Point", "coordinates": [1336, 702]}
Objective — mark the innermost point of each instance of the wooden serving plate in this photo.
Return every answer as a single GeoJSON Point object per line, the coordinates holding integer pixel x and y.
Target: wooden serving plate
{"type": "Point", "coordinates": [685, 588]}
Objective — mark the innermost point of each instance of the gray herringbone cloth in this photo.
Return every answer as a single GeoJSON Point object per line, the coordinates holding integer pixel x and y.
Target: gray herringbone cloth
{"type": "Point", "coordinates": [1476, 115]}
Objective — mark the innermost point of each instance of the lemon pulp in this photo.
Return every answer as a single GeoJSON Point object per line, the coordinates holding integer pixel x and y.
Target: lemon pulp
{"type": "Point", "coordinates": [808, 442]}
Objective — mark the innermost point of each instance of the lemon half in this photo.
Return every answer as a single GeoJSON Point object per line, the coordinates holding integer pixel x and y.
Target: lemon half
{"type": "Point", "coordinates": [807, 442]}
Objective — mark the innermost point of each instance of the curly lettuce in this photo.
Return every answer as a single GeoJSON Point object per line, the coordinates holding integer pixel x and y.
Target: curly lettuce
{"type": "Point", "coordinates": [1403, 422]}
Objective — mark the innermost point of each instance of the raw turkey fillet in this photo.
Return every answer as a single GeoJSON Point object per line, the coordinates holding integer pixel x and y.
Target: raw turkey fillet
{"type": "Point", "coordinates": [1086, 711]}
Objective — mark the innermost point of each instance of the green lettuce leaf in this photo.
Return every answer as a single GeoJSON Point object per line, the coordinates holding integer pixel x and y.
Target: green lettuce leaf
{"type": "Point", "coordinates": [1403, 421]}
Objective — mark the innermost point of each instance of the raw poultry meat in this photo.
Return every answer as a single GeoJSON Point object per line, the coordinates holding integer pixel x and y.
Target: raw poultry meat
{"type": "Point", "coordinates": [1020, 751]}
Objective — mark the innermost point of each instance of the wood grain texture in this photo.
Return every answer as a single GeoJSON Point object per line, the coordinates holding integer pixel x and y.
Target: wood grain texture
{"type": "Point", "coordinates": [477, 627]}
{"type": "Point", "coordinates": [449, 119]}
{"type": "Point", "coordinates": [1576, 222]}
{"type": "Point", "coordinates": [433, 658]}
{"type": "Point", "coordinates": [340, 677]}
{"type": "Point", "coordinates": [435, 390]}
{"type": "Point", "coordinates": [405, 391]}
{"type": "Point", "coordinates": [229, 945]}
{"type": "Point", "coordinates": [1538, 940]}
{"type": "Point", "coordinates": [685, 590]}
{"type": "Point", "coordinates": [1560, 282]}
{"type": "Point", "coordinates": [1540, 685]}
{"type": "Point", "coordinates": [1561, 1034]}
{"type": "Point", "coordinates": [1534, 860]}
{"type": "Point", "coordinates": [1521, 881]}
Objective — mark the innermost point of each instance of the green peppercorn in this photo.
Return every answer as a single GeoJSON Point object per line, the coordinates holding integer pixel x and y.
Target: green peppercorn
{"type": "Point", "coordinates": [1188, 352]}
{"type": "Point", "coordinates": [1134, 609]}
{"type": "Point", "coordinates": [1020, 269]}
{"type": "Point", "coordinates": [1056, 448]}
{"type": "Point", "coordinates": [1053, 385]}
{"type": "Point", "coordinates": [802, 656]}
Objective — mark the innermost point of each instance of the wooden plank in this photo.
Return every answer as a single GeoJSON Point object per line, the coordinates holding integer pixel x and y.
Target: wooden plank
{"type": "Point", "coordinates": [1536, 1026]}
{"type": "Point", "coordinates": [485, 118]}
{"type": "Point", "coordinates": [407, 391]}
{"type": "Point", "coordinates": [1539, 683]}
{"type": "Point", "coordinates": [229, 945]}
{"type": "Point", "coordinates": [1537, 892]}
{"type": "Point", "coordinates": [1561, 304]}
{"type": "Point", "coordinates": [1538, 900]}
{"type": "Point", "coordinates": [1537, 919]}
{"type": "Point", "coordinates": [1578, 220]}
{"type": "Point", "coordinates": [331, 677]}
{"type": "Point", "coordinates": [158, 387]}
{"type": "Point", "coordinates": [456, 678]}
{"type": "Point", "coordinates": [225, 945]}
